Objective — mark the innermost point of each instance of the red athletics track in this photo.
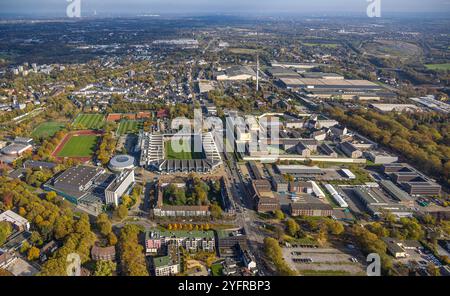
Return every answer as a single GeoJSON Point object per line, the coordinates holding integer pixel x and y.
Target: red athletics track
{"type": "Point", "coordinates": [67, 138]}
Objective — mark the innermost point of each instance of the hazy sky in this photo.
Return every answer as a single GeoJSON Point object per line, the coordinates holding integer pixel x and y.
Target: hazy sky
{"type": "Point", "coordinates": [58, 7]}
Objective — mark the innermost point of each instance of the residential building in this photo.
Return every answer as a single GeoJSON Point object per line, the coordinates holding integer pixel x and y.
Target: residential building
{"type": "Point", "coordinates": [192, 241]}
{"type": "Point", "coordinates": [103, 254]}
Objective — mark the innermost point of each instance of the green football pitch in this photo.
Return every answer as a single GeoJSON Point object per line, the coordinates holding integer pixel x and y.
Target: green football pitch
{"type": "Point", "coordinates": [90, 121]}
{"type": "Point", "coordinates": [79, 146]}
{"type": "Point", "coordinates": [47, 129]}
{"type": "Point", "coordinates": [129, 127]}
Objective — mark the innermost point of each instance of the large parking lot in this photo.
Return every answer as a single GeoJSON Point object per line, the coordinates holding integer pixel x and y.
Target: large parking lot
{"type": "Point", "coordinates": [315, 260]}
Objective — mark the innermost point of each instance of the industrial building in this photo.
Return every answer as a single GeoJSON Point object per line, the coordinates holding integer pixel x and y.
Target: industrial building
{"type": "Point", "coordinates": [236, 73]}
{"type": "Point", "coordinates": [396, 193]}
{"type": "Point", "coordinates": [412, 181]}
{"type": "Point", "coordinates": [336, 196]}
{"type": "Point", "coordinates": [300, 171]}
{"type": "Point", "coordinates": [88, 186]}
{"type": "Point", "coordinates": [328, 84]}
{"type": "Point", "coordinates": [376, 203]}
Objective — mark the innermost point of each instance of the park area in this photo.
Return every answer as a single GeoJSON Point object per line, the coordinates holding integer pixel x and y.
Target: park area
{"type": "Point", "coordinates": [80, 145]}
{"type": "Point", "coordinates": [89, 121]}
{"type": "Point", "coordinates": [129, 127]}
{"type": "Point", "coordinates": [47, 129]}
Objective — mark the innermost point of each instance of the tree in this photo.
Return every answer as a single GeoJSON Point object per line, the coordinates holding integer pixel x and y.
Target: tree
{"type": "Point", "coordinates": [25, 247]}
{"type": "Point", "coordinates": [50, 196]}
{"type": "Point", "coordinates": [335, 227]}
{"type": "Point", "coordinates": [273, 251]}
{"type": "Point", "coordinates": [33, 254]}
{"type": "Point", "coordinates": [292, 227]}
{"type": "Point", "coordinates": [122, 212]}
{"type": "Point", "coordinates": [104, 268]}
{"type": "Point", "coordinates": [132, 258]}
{"type": "Point", "coordinates": [36, 238]}
{"type": "Point", "coordinates": [103, 224]}
{"type": "Point", "coordinates": [112, 239]}
{"type": "Point", "coordinates": [216, 211]}
{"type": "Point", "coordinates": [279, 215]}
{"type": "Point", "coordinates": [5, 232]}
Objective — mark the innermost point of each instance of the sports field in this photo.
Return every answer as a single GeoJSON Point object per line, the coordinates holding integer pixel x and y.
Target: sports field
{"type": "Point", "coordinates": [129, 127]}
{"type": "Point", "coordinates": [79, 146]}
{"type": "Point", "coordinates": [47, 129]}
{"type": "Point", "coordinates": [185, 155]}
{"type": "Point", "coordinates": [89, 121]}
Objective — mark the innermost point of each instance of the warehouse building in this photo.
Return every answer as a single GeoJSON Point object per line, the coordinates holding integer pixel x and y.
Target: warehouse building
{"type": "Point", "coordinates": [376, 203]}
{"type": "Point", "coordinates": [236, 73]}
{"type": "Point", "coordinates": [300, 171]}
{"type": "Point", "coordinates": [412, 181]}
{"type": "Point", "coordinates": [396, 193]}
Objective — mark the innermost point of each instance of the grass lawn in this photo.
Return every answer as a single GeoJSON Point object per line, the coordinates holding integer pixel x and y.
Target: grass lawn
{"type": "Point", "coordinates": [79, 146]}
{"type": "Point", "coordinates": [216, 269]}
{"type": "Point", "coordinates": [47, 129]}
{"type": "Point", "coordinates": [90, 121]}
{"type": "Point", "coordinates": [438, 67]}
{"type": "Point", "coordinates": [129, 127]}
{"type": "Point", "coordinates": [185, 155]}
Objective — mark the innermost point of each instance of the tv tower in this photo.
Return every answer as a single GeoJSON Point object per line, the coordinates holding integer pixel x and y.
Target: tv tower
{"type": "Point", "coordinates": [257, 71]}
{"type": "Point", "coordinates": [257, 61]}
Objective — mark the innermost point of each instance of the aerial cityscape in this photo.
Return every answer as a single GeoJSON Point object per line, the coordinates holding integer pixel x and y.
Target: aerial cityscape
{"type": "Point", "coordinates": [151, 143]}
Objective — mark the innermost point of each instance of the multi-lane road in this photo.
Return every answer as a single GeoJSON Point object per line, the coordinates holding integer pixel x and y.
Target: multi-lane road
{"type": "Point", "coordinates": [245, 214]}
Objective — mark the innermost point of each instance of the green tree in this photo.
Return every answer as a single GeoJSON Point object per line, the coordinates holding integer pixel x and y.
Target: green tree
{"type": "Point", "coordinates": [5, 231]}
{"type": "Point", "coordinates": [292, 227]}
{"type": "Point", "coordinates": [33, 254]}
{"type": "Point", "coordinates": [216, 211]}
{"type": "Point", "coordinates": [122, 212]}
{"type": "Point", "coordinates": [273, 251]}
{"type": "Point", "coordinates": [279, 215]}
{"type": "Point", "coordinates": [103, 224]}
{"type": "Point", "coordinates": [104, 268]}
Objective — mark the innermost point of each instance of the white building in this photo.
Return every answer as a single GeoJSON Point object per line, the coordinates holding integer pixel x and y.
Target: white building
{"type": "Point", "coordinates": [18, 221]}
{"type": "Point", "coordinates": [118, 187]}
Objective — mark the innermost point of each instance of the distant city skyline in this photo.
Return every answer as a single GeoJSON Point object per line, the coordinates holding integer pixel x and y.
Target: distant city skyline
{"type": "Point", "coordinates": [266, 7]}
